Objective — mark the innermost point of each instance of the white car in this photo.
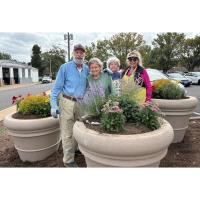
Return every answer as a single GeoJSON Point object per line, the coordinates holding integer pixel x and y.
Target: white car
{"type": "Point", "coordinates": [194, 76]}
{"type": "Point", "coordinates": [46, 79]}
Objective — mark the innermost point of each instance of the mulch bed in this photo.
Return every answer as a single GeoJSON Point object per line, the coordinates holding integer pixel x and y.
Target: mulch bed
{"type": "Point", "coordinates": [184, 154]}
{"type": "Point", "coordinates": [129, 128]}
{"type": "Point", "coordinates": [29, 116]}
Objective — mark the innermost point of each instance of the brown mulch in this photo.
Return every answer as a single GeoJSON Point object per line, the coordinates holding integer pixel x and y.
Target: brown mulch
{"type": "Point", "coordinates": [29, 116]}
{"type": "Point", "coordinates": [129, 128]}
{"type": "Point", "coordinates": [184, 154]}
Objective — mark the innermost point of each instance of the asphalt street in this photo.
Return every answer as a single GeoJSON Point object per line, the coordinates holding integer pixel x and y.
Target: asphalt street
{"type": "Point", "coordinates": [194, 90]}
{"type": "Point", "coordinates": [6, 95]}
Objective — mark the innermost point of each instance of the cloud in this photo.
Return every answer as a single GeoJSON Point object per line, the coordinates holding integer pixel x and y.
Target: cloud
{"type": "Point", "coordinates": [19, 45]}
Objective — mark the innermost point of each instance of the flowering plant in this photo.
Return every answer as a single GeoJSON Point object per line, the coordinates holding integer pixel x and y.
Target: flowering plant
{"type": "Point", "coordinates": [115, 111]}
{"type": "Point", "coordinates": [93, 100]}
{"type": "Point", "coordinates": [38, 105]}
{"type": "Point", "coordinates": [167, 89]}
{"type": "Point", "coordinates": [112, 118]}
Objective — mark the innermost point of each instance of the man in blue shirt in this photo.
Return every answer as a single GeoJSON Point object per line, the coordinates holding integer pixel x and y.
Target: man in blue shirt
{"type": "Point", "coordinates": [70, 85]}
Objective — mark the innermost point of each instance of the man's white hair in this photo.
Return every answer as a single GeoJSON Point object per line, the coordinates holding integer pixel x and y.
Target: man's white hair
{"type": "Point", "coordinates": [97, 61]}
{"type": "Point", "coordinates": [113, 60]}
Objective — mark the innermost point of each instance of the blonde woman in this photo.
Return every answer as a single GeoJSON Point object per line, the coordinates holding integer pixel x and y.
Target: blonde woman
{"type": "Point", "coordinates": [136, 71]}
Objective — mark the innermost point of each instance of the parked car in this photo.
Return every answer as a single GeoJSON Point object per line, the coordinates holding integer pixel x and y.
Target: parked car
{"type": "Point", "coordinates": [46, 79]}
{"type": "Point", "coordinates": [155, 75]}
{"type": "Point", "coordinates": [178, 77]}
{"type": "Point", "coordinates": [194, 76]}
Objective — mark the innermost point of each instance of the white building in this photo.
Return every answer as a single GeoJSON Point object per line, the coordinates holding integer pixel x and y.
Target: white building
{"type": "Point", "coordinates": [13, 72]}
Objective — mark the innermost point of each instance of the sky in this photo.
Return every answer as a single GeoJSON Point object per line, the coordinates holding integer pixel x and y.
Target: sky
{"type": "Point", "coordinates": [19, 44]}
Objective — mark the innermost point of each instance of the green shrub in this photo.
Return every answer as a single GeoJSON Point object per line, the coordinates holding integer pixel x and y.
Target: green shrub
{"type": "Point", "coordinates": [35, 105]}
{"type": "Point", "coordinates": [148, 116]}
{"type": "Point", "coordinates": [114, 111]}
{"type": "Point", "coordinates": [112, 118]}
{"type": "Point", "coordinates": [130, 108]}
{"type": "Point", "coordinates": [113, 122]}
{"type": "Point", "coordinates": [166, 89]}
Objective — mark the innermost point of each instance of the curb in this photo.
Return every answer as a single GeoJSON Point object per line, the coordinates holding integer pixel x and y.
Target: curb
{"type": "Point", "coordinates": [15, 86]}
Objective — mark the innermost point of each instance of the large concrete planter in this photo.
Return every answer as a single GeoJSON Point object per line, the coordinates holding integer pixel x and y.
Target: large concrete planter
{"type": "Point", "coordinates": [177, 113]}
{"type": "Point", "coordinates": [114, 150]}
{"type": "Point", "coordinates": [34, 139]}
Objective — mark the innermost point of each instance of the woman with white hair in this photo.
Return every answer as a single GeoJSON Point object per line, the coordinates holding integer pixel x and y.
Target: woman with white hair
{"type": "Point", "coordinates": [136, 71]}
{"type": "Point", "coordinates": [113, 64]}
{"type": "Point", "coordinates": [99, 82]}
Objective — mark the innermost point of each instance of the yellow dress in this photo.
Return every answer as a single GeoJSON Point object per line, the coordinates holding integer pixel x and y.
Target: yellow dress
{"type": "Point", "coordinates": [137, 92]}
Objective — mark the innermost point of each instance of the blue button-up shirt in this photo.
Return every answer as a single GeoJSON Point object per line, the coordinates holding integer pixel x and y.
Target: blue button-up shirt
{"type": "Point", "coordinates": [70, 82]}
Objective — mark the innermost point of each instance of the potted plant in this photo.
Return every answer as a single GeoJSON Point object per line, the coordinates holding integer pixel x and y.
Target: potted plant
{"type": "Point", "coordinates": [35, 134]}
{"type": "Point", "coordinates": [121, 133]}
{"type": "Point", "coordinates": [174, 104]}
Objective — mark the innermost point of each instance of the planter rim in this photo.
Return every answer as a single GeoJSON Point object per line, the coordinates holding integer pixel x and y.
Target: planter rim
{"type": "Point", "coordinates": [177, 104]}
{"type": "Point", "coordinates": [135, 144]}
{"type": "Point", "coordinates": [31, 120]}
{"type": "Point", "coordinates": [29, 124]}
{"type": "Point", "coordinates": [186, 99]}
{"type": "Point", "coordinates": [163, 123]}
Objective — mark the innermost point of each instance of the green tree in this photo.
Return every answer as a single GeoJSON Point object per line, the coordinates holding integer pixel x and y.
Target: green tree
{"type": "Point", "coordinates": [145, 51]}
{"type": "Point", "coordinates": [191, 53]}
{"type": "Point", "coordinates": [53, 58]}
{"type": "Point", "coordinates": [118, 45]}
{"type": "Point", "coordinates": [103, 51]}
{"type": "Point", "coordinates": [90, 51]}
{"type": "Point", "coordinates": [168, 48]}
{"type": "Point", "coordinates": [36, 58]}
{"type": "Point", "coordinates": [123, 43]}
{"type": "Point", "coordinates": [99, 50]}
{"type": "Point", "coordinates": [153, 59]}
{"type": "Point", "coordinates": [5, 56]}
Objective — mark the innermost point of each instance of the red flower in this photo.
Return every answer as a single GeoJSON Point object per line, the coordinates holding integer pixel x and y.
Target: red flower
{"type": "Point", "coordinates": [14, 99]}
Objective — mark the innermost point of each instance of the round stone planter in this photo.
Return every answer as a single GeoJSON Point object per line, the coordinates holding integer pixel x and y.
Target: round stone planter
{"type": "Point", "coordinates": [34, 139]}
{"type": "Point", "coordinates": [177, 113]}
{"type": "Point", "coordinates": [115, 150]}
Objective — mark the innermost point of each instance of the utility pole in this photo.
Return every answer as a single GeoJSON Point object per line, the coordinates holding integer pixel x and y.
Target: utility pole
{"type": "Point", "coordinates": [68, 37]}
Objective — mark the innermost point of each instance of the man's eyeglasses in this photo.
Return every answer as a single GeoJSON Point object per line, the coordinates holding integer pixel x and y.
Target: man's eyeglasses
{"type": "Point", "coordinates": [133, 58]}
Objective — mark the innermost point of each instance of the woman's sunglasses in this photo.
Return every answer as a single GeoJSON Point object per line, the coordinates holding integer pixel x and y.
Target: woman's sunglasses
{"type": "Point", "coordinates": [133, 58]}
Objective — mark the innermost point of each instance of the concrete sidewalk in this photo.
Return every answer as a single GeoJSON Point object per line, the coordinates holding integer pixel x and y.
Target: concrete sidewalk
{"type": "Point", "coordinates": [10, 87]}
{"type": "Point", "coordinates": [12, 109]}
{"type": "Point", "coordinates": [7, 111]}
